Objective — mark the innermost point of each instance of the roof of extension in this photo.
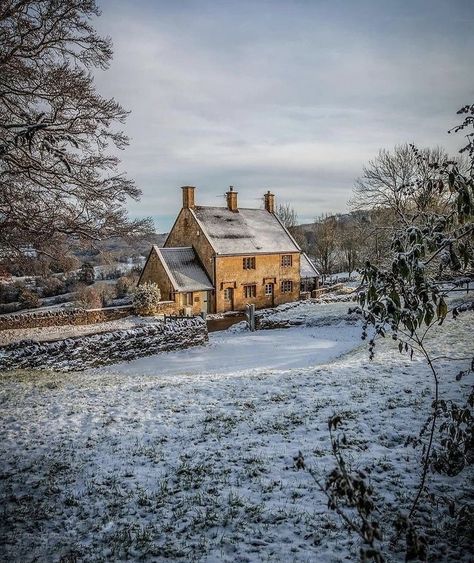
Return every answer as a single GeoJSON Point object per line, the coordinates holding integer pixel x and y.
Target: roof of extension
{"type": "Point", "coordinates": [248, 231]}
{"type": "Point", "coordinates": [307, 268]}
{"type": "Point", "coordinates": [184, 269]}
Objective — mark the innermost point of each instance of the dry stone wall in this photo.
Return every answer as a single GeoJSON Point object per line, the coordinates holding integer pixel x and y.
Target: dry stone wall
{"type": "Point", "coordinates": [75, 354]}
{"type": "Point", "coordinates": [61, 317]}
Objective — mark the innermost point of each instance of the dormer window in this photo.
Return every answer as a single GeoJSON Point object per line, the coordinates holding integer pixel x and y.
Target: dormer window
{"type": "Point", "coordinates": [286, 260]}
{"type": "Point", "coordinates": [249, 263]}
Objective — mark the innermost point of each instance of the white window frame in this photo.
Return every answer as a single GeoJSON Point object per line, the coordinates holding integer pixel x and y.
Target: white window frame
{"type": "Point", "coordinates": [248, 263]}
{"type": "Point", "coordinates": [252, 289]}
{"type": "Point", "coordinates": [268, 289]}
{"type": "Point", "coordinates": [286, 286]}
{"type": "Point", "coordinates": [286, 260]}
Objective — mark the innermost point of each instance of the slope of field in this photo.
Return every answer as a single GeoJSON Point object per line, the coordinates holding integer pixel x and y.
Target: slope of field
{"type": "Point", "coordinates": [191, 458]}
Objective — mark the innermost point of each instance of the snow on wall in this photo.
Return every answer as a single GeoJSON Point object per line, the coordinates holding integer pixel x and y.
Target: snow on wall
{"type": "Point", "coordinates": [106, 348]}
{"type": "Point", "coordinates": [62, 317]}
{"type": "Point", "coordinates": [310, 312]}
{"type": "Point", "coordinates": [59, 317]}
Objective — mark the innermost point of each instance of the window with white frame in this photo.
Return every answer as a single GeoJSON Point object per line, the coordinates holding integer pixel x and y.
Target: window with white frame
{"type": "Point", "coordinates": [286, 286]}
{"type": "Point", "coordinates": [249, 263]}
{"type": "Point", "coordinates": [268, 289]}
{"type": "Point", "coordinates": [250, 291]}
{"type": "Point", "coordinates": [286, 260]}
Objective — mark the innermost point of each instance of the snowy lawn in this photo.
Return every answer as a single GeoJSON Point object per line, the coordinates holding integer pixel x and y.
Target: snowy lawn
{"type": "Point", "coordinates": [229, 352]}
{"type": "Point", "coordinates": [190, 455]}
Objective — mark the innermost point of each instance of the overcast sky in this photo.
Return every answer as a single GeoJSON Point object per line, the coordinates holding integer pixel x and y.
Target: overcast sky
{"type": "Point", "coordinates": [293, 96]}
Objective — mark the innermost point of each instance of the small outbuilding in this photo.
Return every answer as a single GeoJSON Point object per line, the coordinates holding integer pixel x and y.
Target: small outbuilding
{"type": "Point", "coordinates": [309, 274]}
{"type": "Point", "coordinates": [181, 278]}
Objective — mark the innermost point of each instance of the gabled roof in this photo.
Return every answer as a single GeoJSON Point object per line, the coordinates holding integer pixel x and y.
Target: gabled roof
{"type": "Point", "coordinates": [184, 269]}
{"type": "Point", "coordinates": [248, 231]}
{"type": "Point", "coordinates": [307, 268]}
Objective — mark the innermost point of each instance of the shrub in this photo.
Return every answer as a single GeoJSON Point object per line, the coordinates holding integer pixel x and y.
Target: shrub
{"type": "Point", "coordinates": [28, 299]}
{"type": "Point", "coordinates": [146, 299]}
{"type": "Point", "coordinates": [52, 286]}
{"type": "Point", "coordinates": [64, 264]}
{"type": "Point", "coordinates": [86, 273]}
{"type": "Point", "coordinates": [124, 286]}
{"type": "Point", "coordinates": [105, 291]}
{"type": "Point", "coordinates": [9, 292]}
{"type": "Point", "coordinates": [88, 297]}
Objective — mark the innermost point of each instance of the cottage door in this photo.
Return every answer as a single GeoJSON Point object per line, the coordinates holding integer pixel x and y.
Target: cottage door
{"type": "Point", "coordinates": [204, 302]}
{"type": "Point", "coordinates": [270, 292]}
{"type": "Point", "coordinates": [228, 299]}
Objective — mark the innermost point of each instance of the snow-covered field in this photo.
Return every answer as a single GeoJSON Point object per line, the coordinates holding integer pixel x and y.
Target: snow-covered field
{"type": "Point", "coordinates": [190, 455]}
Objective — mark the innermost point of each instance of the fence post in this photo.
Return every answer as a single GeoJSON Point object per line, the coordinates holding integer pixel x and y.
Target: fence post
{"type": "Point", "coordinates": [250, 314]}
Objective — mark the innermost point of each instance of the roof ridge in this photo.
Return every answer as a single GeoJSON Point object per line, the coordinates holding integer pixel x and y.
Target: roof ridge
{"type": "Point", "coordinates": [227, 209]}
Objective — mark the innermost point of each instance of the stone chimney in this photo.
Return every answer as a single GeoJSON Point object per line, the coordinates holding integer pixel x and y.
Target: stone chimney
{"type": "Point", "coordinates": [269, 202]}
{"type": "Point", "coordinates": [188, 197]}
{"type": "Point", "coordinates": [232, 200]}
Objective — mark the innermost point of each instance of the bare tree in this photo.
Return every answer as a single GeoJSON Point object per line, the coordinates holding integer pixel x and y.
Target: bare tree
{"type": "Point", "coordinates": [387, 182]}
{"type": "Point", "coordinates": [373, 231]}
{"type": "Point", "coordinates": [287, 215]}
{"type": "Point", "coordinates": [58, 177]}
{"type": "Point", "coordinates": [325, 245]}
{"type": "Point", "coordinates": [350, 246]}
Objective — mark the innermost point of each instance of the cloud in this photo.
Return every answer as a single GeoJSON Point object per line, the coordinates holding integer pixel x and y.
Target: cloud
{"type": "Point", "coordinates": [293, 96]}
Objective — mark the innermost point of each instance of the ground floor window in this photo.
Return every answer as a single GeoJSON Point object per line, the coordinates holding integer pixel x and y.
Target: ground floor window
{"type": "Point", "coordinates": [286, 286]}
{"type": "Point", "coordinates": [188, 298]}
{"type": "Point", "coordinates": [227, 294]}
{"type": "Point", "coordinates": [250, 291]}
{"type": "Point", "coordinates": [268, 289]}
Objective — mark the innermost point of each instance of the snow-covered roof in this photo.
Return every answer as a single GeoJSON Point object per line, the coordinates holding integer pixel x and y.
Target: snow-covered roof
{"type": "Point", "coordinates": [307, 268]}
{"type": "Point", "coordinates": [248, 231]}
{"type": "Point", "coordinates": [184, 269]}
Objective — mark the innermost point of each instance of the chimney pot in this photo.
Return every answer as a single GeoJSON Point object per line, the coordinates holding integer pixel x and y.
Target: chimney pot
{"type": "Point", "coordinates": [188, 197]}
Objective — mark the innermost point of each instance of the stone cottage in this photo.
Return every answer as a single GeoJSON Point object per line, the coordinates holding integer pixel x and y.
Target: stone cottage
{"type": "Point", "coordinates": [218, 259]}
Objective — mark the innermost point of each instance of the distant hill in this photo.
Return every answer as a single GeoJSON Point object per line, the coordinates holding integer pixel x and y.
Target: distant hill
{"type": "Point", "coordinates": [343, 219]}
{"type": "Point", "coordinates": [119, 249]}
{"type": "Point", "coordinates": [141, 246]}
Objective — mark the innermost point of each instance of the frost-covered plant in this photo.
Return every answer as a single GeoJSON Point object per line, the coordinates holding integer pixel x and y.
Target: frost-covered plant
{"type": "Point", "coordinates": [408, 300]}
{"type": "Point", "coordinates": [350, 495]}
{"type": "Point", "coordinates": [146, 298]}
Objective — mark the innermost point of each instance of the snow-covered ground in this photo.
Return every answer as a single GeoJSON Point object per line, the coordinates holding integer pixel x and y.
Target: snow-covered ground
{"type": "Point", "coordinates": [230, 352]}
{"type": "Point", "coordinates": [190, 455]}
